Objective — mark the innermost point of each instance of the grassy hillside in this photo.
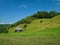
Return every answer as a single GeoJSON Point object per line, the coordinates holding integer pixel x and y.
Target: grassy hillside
{"type": "Point", "coordinates": [36, 33]}
{"type": "Point", "coordinates": [36, 25]}
{"type": "Point", "coordinates": [43, 37]}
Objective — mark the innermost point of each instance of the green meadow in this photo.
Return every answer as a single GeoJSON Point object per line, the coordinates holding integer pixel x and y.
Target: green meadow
{"type": "Point", "coordinates": [36, 33]}
{"type": "Point", "coordinates": [43, 37]}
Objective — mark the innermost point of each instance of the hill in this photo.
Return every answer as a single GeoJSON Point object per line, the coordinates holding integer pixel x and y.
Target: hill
{"type": "Point", "coordinates": [37, 25]}
{"type": "Point", "coordinates": [45, 31]}
{"type": "Point", "coordinates": [36, 33]}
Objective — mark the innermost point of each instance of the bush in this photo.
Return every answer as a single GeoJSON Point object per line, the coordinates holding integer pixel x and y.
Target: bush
{"type": "Point", "coordinates": [38, 15]}
{"type": "Point", "coordinates": [3, 29]}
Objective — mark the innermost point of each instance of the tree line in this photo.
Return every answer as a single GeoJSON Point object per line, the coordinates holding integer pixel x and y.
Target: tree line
{"type": "Point", "coordinates": [27, 20]}
{"type": "Point", "coordinates": [38, 15]}
{"type": "Point", "coordinates": [4, 28]}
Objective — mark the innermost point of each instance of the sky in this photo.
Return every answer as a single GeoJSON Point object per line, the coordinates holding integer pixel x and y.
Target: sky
{"type": "Point", "coordinates": [13, 10]}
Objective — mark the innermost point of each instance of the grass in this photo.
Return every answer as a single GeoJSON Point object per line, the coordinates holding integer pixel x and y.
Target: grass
{"type": "Point", "coordinates": [36, 25]}
{"type": "Point", "coordinates": [44, 32]}
{"type": "Point", "coordinates": [43, 37]}
{"type": "Point", "coordinates": [39, 40]}
{"type": "Point", "coordinates": [36, 33]}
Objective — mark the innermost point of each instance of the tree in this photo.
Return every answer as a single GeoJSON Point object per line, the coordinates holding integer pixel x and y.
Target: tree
{"type": "Point", "coordinates": [52, 14]}
{"type": "Point", "coordinates": [3, 28]}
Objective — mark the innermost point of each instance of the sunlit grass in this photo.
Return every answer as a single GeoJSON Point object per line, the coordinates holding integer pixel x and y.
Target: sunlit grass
{"type": "Point", "coordinates": [45, 33]}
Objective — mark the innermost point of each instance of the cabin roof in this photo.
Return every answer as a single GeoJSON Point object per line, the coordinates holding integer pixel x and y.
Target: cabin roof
{"type": "Point", "coordinates": [18, 28]}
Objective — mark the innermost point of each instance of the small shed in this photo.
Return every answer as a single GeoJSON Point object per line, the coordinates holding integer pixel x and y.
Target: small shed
{"type": "Point", "coordinates": [18, 29]}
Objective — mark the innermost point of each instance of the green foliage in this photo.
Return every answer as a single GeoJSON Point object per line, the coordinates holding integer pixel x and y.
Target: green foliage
{"type": "Point", "coordinates": [4, 28]}
{"type": "Point", "coordinates": [38, 15]}
{"type": "Point", "coordinates": [25, 25]}
{"type": "Point", "coordinates": [44, 14]}
{"type": "Point", "coordinates": [52, 14]}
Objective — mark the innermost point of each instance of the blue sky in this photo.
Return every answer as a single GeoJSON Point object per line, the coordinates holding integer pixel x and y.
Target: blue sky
{"type": "Point", "coordinates": [14, 10]}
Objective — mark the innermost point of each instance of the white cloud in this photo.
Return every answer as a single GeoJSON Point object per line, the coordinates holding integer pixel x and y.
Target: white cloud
{"type": "Point", "coordinates": [23, 6]}
{"type": "Point", "coordinates": [2, 23]}
{"type": "Point", "coordinates": [5, 23]}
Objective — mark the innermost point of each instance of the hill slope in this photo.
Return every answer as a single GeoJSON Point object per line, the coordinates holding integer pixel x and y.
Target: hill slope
{"type": "Point", "coordinates": [37, 25]}
{"type": "Point", "coordinates": [50, 35]}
